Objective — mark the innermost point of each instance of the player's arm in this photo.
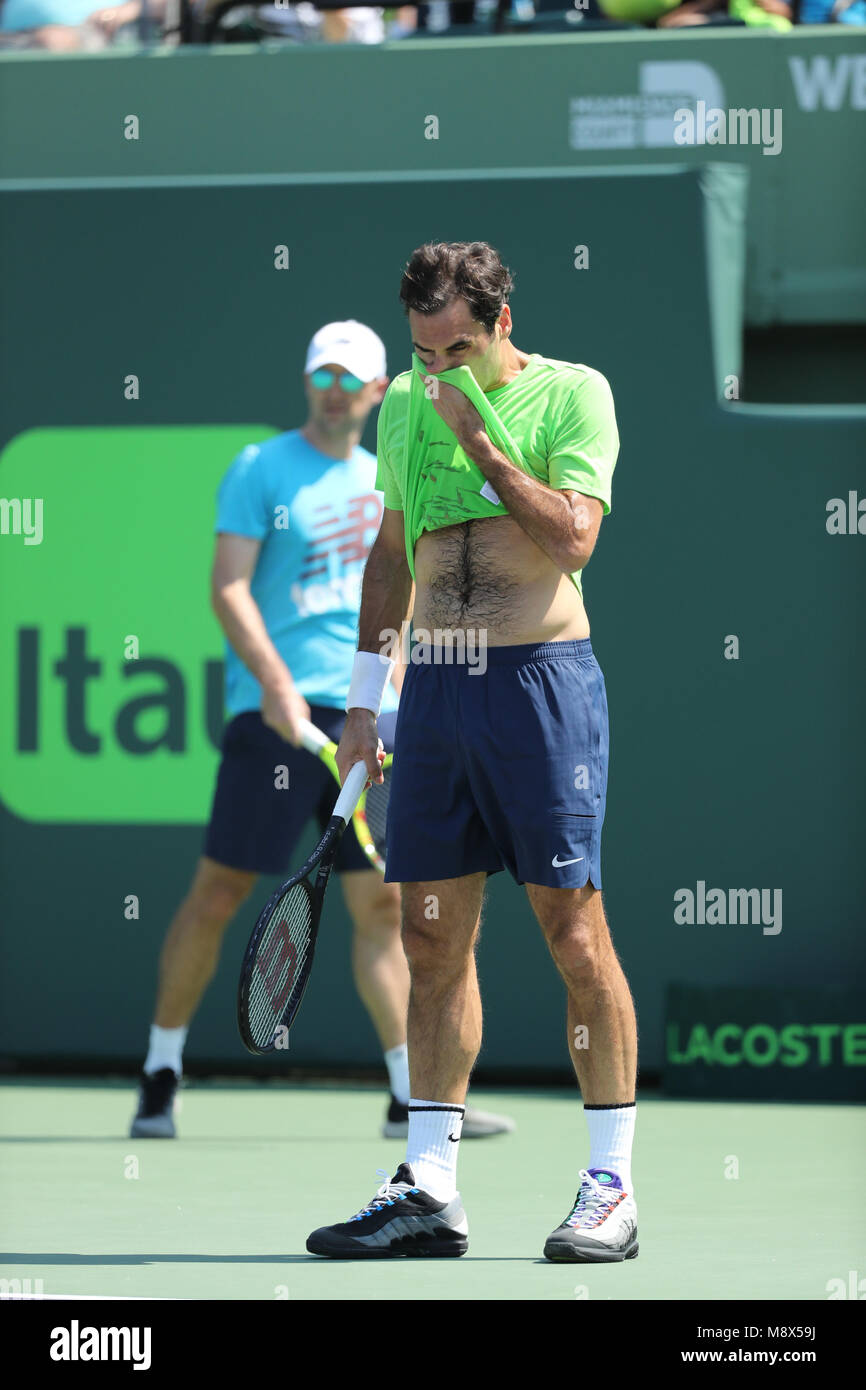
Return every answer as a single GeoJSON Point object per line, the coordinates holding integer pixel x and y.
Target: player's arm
{"type": "Point", "coordinates": [398, 675]}
{"type": "Point", "coordinates": [335, 26]}
{"type": "Point", "coordinates": [386, 599]}
{"type": "Point", "coordinates": [564, 524]}
{"type": "Point", "coordinates": [562, 516]}
{"type": "Point", "coordinates": [241, 620]}
{"type": "Point", "coordinates": [386, 592]}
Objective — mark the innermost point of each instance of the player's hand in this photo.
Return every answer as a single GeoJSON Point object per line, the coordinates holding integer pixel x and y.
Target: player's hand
{"type": "Point", "coordinates": [360, 741]}
{"type": "Point", "coordinates": [454, 408]}
{"type": "Point", "coordinates": [282, 708]}
{"type": "Point", "coordinates": [113, 17]}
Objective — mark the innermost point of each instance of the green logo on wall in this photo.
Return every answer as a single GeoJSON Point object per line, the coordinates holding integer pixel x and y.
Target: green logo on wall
{"type": "Point", "coordinates": [112, 661]}
{"type": "Point", "coordinates": [795, 1045]}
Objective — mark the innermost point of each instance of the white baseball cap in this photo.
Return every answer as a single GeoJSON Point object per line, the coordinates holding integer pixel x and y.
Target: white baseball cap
{"type": "Point", "coordinates": [350, 345]}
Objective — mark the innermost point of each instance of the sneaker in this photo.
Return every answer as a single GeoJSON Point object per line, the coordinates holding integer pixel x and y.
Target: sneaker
{"type": "Point", "coordinates": [602, 1225]}
{"type": "Point", "coordinates": [401, 1220]}
{"type": "Point", "coordinates": [477, 1124]}
{"type": "Point", "coordinates": [156, 1102]}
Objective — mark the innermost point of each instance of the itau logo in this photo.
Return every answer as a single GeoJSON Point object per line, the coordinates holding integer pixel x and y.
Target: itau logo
{"type": "Point", "coordinates": [111, 667]}
{"type": "Point", "coordinates": [644, 119]}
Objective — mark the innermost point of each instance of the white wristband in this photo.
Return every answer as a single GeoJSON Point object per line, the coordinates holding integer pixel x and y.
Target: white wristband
{"type": "Point", "coordinates": [370, 674]}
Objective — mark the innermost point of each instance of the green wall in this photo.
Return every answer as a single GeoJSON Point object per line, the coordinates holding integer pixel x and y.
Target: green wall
{"type": "Point", "coordinates": [554, 102]}
{"type": "Point", "coordinates": [739, 773]}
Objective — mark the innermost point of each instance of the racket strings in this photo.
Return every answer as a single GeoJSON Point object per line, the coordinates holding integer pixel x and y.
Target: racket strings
{"type": "Point", "coordinates": [279, 962]}
{"type": "Point", "coordinates": [376, 811]}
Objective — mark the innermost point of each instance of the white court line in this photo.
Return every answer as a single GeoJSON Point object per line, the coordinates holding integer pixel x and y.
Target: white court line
{"type": "Point", "coordinates": [97, 1297]}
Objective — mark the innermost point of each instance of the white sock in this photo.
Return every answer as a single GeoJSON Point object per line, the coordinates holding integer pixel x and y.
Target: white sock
{"type": "Point", "coordinates": [397, 1062]}
{"type": "Point", "coordinates": [611, 1135]}
{"type": "Point", "coordinates": [434, 1134]}
{"type": "Point", "coordinates": [165, 1050]}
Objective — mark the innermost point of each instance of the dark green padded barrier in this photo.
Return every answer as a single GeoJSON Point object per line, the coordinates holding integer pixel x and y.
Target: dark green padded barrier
{"type": "Point", "coordinates": [551, 102]}
{"type": "Point", "coordinates": [735, 773]}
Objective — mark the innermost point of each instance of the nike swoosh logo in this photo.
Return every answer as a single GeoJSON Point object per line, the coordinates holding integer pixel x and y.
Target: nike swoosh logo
{"type": "Point", "coordinates": [561, 863]}
{"type": "Point", "coordinates": [453, 1140]}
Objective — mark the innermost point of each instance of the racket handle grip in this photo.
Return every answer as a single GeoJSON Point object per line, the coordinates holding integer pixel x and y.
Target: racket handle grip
{"type": "Point", "coordinates": [312, 738]}
{"type": "Point", "coordinates": [351, 792]}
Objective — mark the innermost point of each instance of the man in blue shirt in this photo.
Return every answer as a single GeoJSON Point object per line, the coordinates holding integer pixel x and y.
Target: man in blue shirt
{"type": "Point", "coordinates": [296, 519]}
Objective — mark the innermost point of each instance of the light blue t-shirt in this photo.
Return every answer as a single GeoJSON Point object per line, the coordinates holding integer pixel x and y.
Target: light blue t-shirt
{"type": "Point", "coordinates": [33, 14]}
{"type": "Point", "coordinates": [317, 518]}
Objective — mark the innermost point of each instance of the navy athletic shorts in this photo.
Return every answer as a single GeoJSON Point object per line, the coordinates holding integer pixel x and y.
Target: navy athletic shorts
{"type": "Point", "coordinates": [505, 769]}
{"type": "Point", "coordinates": [254, 824]}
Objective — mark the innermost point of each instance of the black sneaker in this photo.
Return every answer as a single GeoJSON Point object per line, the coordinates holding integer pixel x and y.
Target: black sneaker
{"type": "Point", "coordinates": [396, 1124]}
{"type": "Point", "coordinates": [401, 1220]}
{"type": "Point", "coordinates": [155, 1116]}
{"type": "Point", "coordinates": [477, 1124]}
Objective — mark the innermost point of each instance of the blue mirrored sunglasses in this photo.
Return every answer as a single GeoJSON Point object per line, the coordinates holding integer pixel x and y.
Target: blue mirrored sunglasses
{"type": "Point", "coordinates": [323, 380]}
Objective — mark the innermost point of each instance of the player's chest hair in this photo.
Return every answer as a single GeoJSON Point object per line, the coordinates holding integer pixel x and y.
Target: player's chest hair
{"type": "Point", "coordinates": [473, 572]}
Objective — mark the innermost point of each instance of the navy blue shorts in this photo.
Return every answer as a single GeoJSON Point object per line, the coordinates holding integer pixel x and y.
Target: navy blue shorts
{"type": "Point", "coordinates": [254, 824]}
{"type": "Point", "coordinates": [505, 769]}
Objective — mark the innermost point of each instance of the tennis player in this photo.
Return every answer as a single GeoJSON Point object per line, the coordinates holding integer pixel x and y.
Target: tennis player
{"type": "Point", "coordinates": [295, 521]}
{"type": "Point", "coordinates": [506, 769]}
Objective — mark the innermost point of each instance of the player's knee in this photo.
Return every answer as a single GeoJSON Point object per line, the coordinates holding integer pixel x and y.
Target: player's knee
{"type": "Point", "coordinates": [576, 948]}
{"type": "Point", "coordinates": [376, 911]}
{"type": "Point", "coordinates": [217, 896]}
{"type": "Point", "coordinates": [431, 951]}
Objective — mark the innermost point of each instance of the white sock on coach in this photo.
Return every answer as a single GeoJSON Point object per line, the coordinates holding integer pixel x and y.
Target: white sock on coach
{"type": "Point", "coordinates": [611, 1135]}
{"type": "Point", "coordinates": [397, 1062]}
{"type": "Point", "coordinates": [165, 1050]}
{"type": "Point", "coordinates": [434, 1134]}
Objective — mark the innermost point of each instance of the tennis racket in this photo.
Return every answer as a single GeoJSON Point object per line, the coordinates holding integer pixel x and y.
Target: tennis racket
{"type": "Point", "coordinates": [278, 960]}
{"type": "Point", "coordinates": [371, 812]}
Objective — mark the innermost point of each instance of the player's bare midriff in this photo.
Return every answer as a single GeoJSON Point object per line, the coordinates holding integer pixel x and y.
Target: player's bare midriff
{"type": "Point", "coordinates": [489, 575]}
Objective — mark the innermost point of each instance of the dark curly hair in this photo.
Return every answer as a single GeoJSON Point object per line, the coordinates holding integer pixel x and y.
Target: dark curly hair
{"type": "Point", "coordinates": [442, 271]}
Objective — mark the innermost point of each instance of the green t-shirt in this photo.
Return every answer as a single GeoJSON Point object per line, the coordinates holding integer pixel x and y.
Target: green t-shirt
{"type": "Point", "coordinates": [555, 420]}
